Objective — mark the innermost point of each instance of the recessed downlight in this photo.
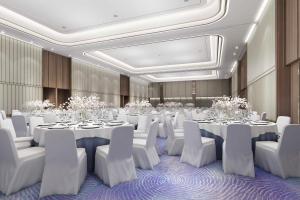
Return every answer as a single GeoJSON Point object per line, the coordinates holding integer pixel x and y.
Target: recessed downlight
{"type": "Point", "coordinates": [115, 15]}
{"type": "Point", "coordinates": [236, 47]}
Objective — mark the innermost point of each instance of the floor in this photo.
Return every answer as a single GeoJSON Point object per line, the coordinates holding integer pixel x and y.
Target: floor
{"type": "Point", "coordinates": [174, 180]}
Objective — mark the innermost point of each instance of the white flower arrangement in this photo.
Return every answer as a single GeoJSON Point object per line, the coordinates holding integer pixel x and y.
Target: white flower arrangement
{"type": "Point", "coordinates": [231, 107]}
{"type": "Point", "coordinates": [142, 106]}
{"type": "Point", "coordinates": [38, 105]}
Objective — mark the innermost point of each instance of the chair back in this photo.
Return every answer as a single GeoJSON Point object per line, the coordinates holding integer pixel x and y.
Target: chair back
{"type": "Point", "coordinates": [60, 146]}
{"type": "Point", "coordinates": [34, 122]}
{"type": "Point", "coordinates": [7, 124]}
{"type": "Point", "coordinates": [290, 140]}
{"type": "Point", "coordinates": [188, 114]}
{"type": "Point", "coordinates": [8, 152]}
{"type": "Point", "coordinates": [3, 114]}
{"type": "Point", "coordinates": [152, 134]}
{"type": "Point", "coordinates": [144, 122]}
{"type": "Point", "coordinates": [263, 116]}
{"type": "Point", "coordinates": [121, 143]}
{"type": "Point", "coordinates": [15, 112]}
{"type": "Point", "coordinates": [20, 125]}
{"type": "Point", "coordinates": [50, 118]}
{"type": "Point", "coordinates": [192, 135]}
{"type": "Point", "coordinates": [282, 122]}
{"type": "Point", "coordinates": [169, 128]}
{"type": "Point", "coordinates": [238, 140]}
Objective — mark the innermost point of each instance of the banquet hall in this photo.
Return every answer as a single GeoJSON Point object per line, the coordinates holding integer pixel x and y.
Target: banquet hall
{"type": "Point", "coordinates": [150, 100]}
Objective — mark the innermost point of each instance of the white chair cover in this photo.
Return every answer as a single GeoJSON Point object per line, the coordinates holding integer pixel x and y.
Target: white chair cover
{"type": "Point", "coordinates": [237, 152]}
{"type": "Point", "coordinates": [282, 122]}
{"type": "Point", "coordinates": [175, 140]}
{"type": "Point", "coordinates": [143, 126]}
{"type": "Point", "coordinates": [34, 122]}
{"type": "Point", "coordinates": [18, 169]}
{"type": "Point", "coordinates": [15, 112]}
{"type": "Point", "coordinates": [281, 158]}
{"type": "Point", "coordinates": [114, 163]}
{"type": "Point", "coordinates": [50, 118]}
{"type": "Point", "coordinates": [144, 151]}
{"type": "Point", "coordinates": [263, 116]}
{"type": "Point", "coordinates": [197, 151]}
{"type": "Point", "coordinates": [162, 126]}
{"type": "Point", "coordinates": [3, 114]}
{"type": "Point", "coordinates": [178, 120]}
{"type": "Point", "coordinates": [20, 125]}
{"type": "Point", "coordinates": [65, 166]}
{"type": "Point", "coordinates": [20, 142]}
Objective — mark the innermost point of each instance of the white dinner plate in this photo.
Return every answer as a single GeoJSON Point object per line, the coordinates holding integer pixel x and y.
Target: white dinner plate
{"type": "Point", "coordinates": [90, 127]}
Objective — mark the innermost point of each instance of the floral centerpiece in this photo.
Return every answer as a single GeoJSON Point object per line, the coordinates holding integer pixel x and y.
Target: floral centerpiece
{"type": "Point", "coordinates": [38, 106]}
{"type": "Point", "coordinates": [231, 108]}
{"type": "Point", "coordinates": [84, 107]}
{"type": "Point", "coordinates": [142, 106]}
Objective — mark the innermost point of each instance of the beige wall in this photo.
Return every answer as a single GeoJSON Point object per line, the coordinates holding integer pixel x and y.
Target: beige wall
{"type": "Point", "coordinates": [138, 89]}
{"type": "Point", "coordinates": [261, 74]}
{"type": "Point", "coordinates": [234, 84]}
{"type": "Point", "coordinates": [20, 73]}
{"type": "Point", "coordinates": [89, 79]}
{"type": "Point", "coordinates": [182, 91]}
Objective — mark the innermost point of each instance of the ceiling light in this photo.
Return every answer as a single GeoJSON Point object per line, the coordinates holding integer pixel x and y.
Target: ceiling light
{"type": "Point", "coordinates": [115, 15]}
{"type": "Point", "coordinates": [234, 66]}
{"type": "Point", "coordinates": [31, 42]}
{"type": "Point", "coordinates": [257, 19]}
{"type": "Point", "coordinates": [261, 10]}
{"type": "Point", "coordinates": [52, 49]}
{"type": "Point", "coordinates": [2, 32]}
{"type": "Point", "coordinates": [236, 47]}
{"type": "Point", "coordinates": [250, 33]}
{"type": "Point", "coordinates": [234, 54]}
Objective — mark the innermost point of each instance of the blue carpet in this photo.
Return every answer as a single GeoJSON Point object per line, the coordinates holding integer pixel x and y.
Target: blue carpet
{"type": "Point", "coordinates": [174, 180]}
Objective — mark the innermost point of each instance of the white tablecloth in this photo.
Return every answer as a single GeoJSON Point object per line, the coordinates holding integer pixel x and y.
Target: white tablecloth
{"type": "Point", "coordinates": [221, 129]}
{"type": "Point", "coordinates": [103, 132]}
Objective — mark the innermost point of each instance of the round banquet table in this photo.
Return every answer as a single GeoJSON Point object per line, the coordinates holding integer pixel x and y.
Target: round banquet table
{"type": "Point", "coordinates": [89, 139]}
{"type": "Point", "coordinates": [218, 131]}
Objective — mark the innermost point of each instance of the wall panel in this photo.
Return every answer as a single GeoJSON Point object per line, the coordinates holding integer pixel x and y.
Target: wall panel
{"type": "Point", "coordinates": [88, 79]}
{"type": "Point", "coordinates": [20, 78]}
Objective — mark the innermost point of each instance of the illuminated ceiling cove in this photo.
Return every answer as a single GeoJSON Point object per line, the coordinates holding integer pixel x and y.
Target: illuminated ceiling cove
{"type": "Point", "coordinates": [169, 40]}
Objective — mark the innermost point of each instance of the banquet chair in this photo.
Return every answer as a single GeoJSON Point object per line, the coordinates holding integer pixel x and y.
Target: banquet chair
{"type": "Point", "coordinates": [281, 158]}
{"type": "Point", "coordinates": [20, 125]}
{"type": "Point", "coordinates": [114, 163]}
{"type": "Point", "coordinates": [263, 116]}
{"type": "Point", "coordinates": [34, 122]}
{"type": "Point", "coordinates": [162, 132]}
{"type": "Point", "coordinates": [3, 114]}
{"type": "Point", "coordinates": [175, 140]}
{"type": "Point", "coordinates": [282, 122]}
{"type": "Point", "coordinates": [20, 142]}
{"type": "Point", "coordinates": [18, 168]}
{"type": "Point", "coordinates": [50, 118]}
{"type": "Point", "coordinates": [197, 151]}
{"type": "Point", "coordinates": [143, 126]}
{"type": "Point", "coordinates": [15, 112]}
{"type": "Point", "coordinates": [65, 165]}
{"type": "Point", "coordinates": [144, 151]}
{"type": "Point", "coordinates": [178, 120]}
{"type": "Point", "coordinates": [188, 114]}
{"type": "Point", "coordinates": [237, 152]}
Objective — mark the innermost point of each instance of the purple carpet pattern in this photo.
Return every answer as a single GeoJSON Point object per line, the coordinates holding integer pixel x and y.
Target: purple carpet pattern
{"type": "Point", "coordinates": [172, 180]}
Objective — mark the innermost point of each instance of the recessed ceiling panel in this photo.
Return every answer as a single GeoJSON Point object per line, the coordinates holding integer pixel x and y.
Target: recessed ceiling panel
{"type": "Point", "coordinates": [75, 15]}
{"type": "Point", "coordinates": [183, 74]}
{"type": "Point", "coordinates": [191, 50]}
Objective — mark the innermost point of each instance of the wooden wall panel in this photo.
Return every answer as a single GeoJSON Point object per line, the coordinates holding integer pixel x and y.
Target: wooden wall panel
{"type": "Point", "coordinates": [52, 70]}
{"type": "Point", "coordinates": [291, 27]}
{"type": "Point", "coordinates": [59, 71]}
{"type": "Point", "coordinates": [20, 73]}
{"type": "Point", "coordinates": [295, 92]}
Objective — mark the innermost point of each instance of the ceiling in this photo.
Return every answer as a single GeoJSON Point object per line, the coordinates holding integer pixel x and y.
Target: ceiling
{"type": "Point", "coordinates": [157, 40]}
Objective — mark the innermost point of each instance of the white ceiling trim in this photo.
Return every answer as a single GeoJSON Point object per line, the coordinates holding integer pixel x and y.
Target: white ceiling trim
{"type": "Point", "coordinates": [216, 44]}
{"type": "Point", "coordinates": [213, 75]}
{"type": "Point", "coordinates": [212, 11]}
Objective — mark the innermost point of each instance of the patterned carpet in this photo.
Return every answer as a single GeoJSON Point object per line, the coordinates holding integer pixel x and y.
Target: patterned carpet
{"type": "Point", "coordinates": [172, 180]}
